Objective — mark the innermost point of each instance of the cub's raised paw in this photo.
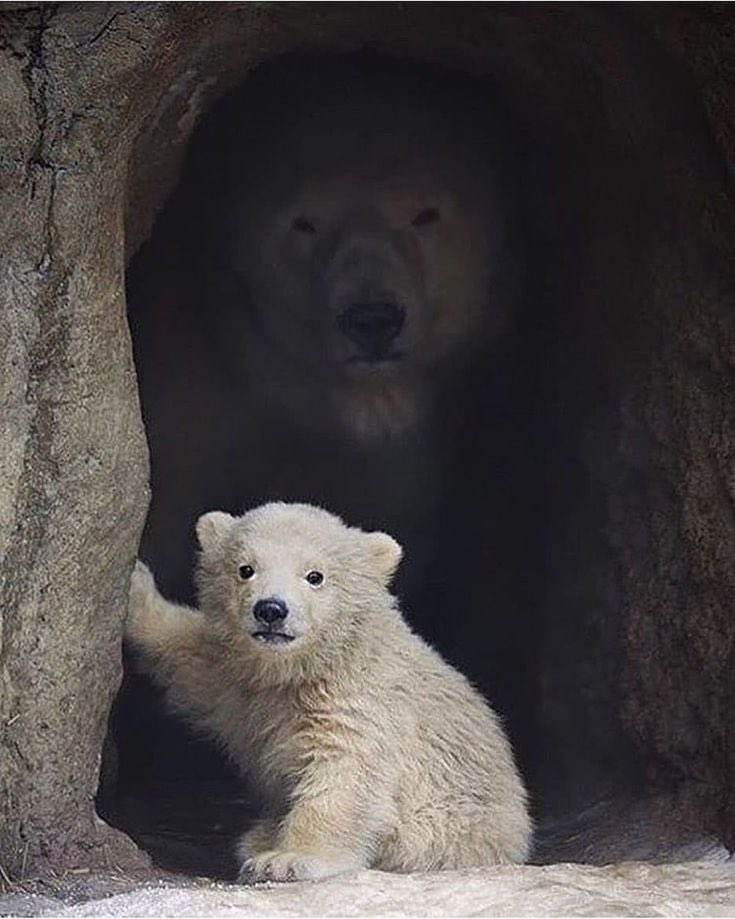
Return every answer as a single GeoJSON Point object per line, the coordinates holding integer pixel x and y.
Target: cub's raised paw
{"type": "Point", "coordinates": [142, 593]}
{"type": "Point", "coordinates": [142, 584]}
{"type": "Point", "coordinates": [295, 866]}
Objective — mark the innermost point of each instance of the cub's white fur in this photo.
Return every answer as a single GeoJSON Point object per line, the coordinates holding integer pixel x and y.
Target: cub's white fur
{"type": "Point", "coordinates": [367, 749]}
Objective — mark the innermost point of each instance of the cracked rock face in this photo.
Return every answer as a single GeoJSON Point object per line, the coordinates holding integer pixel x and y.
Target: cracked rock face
{"type": "Point", "coordinates": [96, 106]}
{"type": "Point", "coordinates": [73, 492]}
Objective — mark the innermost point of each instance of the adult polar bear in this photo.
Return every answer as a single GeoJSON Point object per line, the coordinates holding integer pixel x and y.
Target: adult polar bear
{"type": "Point", "coordinates": [370, 235]}
{"type": "Point", "coordinates": [343, 252]}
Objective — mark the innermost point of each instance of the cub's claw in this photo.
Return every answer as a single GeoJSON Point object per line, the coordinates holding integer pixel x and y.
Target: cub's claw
{"type": "Point", "coordinates": [294, 866]}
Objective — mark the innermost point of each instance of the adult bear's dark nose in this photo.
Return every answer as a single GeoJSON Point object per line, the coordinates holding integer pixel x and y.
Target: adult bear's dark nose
{"type": "Point", "coordinates": [371, 326]}
{"type": "Point", "coordinates": [270, 611]}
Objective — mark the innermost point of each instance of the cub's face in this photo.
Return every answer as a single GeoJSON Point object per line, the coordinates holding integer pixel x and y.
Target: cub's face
{"type": "Point", "coordinates": [284, 576]}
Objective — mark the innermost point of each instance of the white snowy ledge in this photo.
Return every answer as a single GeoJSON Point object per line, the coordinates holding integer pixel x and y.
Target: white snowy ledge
{"type": "Point", "coordinates": [705, 887]}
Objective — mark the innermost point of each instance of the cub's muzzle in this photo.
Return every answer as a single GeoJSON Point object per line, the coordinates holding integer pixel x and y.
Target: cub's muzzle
{"type": "Point", "coordinates": [271, 613]}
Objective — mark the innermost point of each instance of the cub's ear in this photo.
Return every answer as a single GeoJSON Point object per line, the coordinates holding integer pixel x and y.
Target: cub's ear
{"type": "Point", "coordinates": [212, 528]}
{"type": "Point", "coordinates": [385, 553]}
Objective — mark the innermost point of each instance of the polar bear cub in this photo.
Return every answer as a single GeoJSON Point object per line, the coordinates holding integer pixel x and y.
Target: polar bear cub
{"type": "Point", "coordinates": [365, 747]}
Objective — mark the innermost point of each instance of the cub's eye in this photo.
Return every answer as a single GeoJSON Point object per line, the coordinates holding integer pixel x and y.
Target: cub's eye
{"type": "Point", "coordinates": [427, 216]}
{"type": "Point", "coordinates": [246, 572]}
{"type": "Point", "coordinates": [315, 578]}
{"type": "Point", "coordinates": [303, 225]}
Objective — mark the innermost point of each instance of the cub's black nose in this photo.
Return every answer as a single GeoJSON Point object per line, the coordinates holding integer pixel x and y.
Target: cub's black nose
{"type": "Point", "coordinates": [371, 326]}
{"type": "Point", "coordinates": [270, 610]}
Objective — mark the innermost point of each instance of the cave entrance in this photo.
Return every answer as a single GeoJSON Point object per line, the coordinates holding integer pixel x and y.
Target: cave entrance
{"type": "Point", "coordinates": [532, 482]}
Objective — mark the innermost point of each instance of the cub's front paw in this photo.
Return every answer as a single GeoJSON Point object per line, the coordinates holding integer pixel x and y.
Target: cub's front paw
{"type": "Point", "coordinates": [261, 837]}
{"type": "Point", "coordinates": [141, 580]}
{"type": "Point", "coordinates": [142, 593]}
{"type": "Point", "coordinates": [277, 865]}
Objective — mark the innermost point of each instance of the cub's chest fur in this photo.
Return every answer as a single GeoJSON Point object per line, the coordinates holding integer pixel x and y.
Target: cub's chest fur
{"type": "Point", "coordinates": [281, 729]}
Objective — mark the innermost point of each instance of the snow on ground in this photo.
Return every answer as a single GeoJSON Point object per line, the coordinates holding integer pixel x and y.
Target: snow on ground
{"type": "Point", "coordinates": [705, 887]}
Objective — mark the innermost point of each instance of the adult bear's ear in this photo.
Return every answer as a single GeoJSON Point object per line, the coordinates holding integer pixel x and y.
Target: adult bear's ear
{"type": "Point", "coordinates": [212, 528]}
{"type": "Point", "coordinates": [385, 553]}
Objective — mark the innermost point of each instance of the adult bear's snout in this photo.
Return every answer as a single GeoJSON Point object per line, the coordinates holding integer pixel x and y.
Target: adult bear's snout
{"type": "Point", "coordinates": [372, 326]}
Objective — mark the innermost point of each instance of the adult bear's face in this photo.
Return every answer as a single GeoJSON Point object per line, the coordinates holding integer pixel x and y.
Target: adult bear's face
{"type": "Point", "coordinates": [371, 276]}
{"type": "Point", "coordinates": [372, 250]}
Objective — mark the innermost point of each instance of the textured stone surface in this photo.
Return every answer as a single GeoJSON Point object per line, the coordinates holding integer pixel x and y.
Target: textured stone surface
{"type": "Point", "coordinates": [633, 215]}
{"type": "Point", "coordinates": [73, 491]}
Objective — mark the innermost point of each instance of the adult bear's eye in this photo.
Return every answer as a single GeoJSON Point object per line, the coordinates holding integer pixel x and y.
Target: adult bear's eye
{"type": "Point", "coordinates": [303, 225]}
{"type": "Point", "coordinates": [246, 572]}
{"type": "Point", "coordinates": [315, 578]}
{"type": "Point", "coordinates": [428, 215]}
